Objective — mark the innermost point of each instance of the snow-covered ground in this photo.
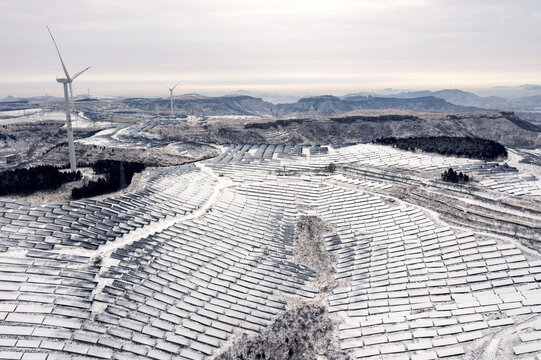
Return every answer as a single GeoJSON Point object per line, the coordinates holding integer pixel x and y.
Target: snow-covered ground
{"type": "Point", "coordinates": [197, 256]}
{"type": "Point", "coordinates": [33, 116]}
{"type": "Point", "coordinates": [19, 113]}
{"type": "Point", "coordinates": [79, 120]}
{"type": "Point", "coordinates": [234, 117]}
{"type": "Point", "coordinates": [494, 176]}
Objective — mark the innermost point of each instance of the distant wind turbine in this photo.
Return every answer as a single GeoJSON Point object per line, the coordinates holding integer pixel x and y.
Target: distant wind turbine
{"type": "Point", "coordinates": [68, 101]}
{"type": "Point", "coordinates": [171, 95]}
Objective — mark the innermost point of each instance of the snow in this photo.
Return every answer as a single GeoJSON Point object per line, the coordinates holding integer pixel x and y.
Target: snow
{"type": "Point", "coordinates": [19, 113]}
{"type": "Point", "coordinates": [36, 116]}
{"type": "Point", "coordinates": [233, 117]}
{"type": "Point", "coordinates": [80, 121]}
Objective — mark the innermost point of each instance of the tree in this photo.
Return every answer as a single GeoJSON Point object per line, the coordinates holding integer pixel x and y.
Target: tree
{"type": "Point", "coordinates": [116, 175]}
{"type": "Point", "coordinates": [331, 168]}
{"type": "Point", "coordinates": [452, 176]}
{"type": "Point", "coordinates": [475, 148]}
{"type": "Point", "coordinates": [38, 178]}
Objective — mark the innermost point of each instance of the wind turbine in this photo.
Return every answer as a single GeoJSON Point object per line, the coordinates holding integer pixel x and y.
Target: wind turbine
{"type": "Point", "coordinates": [171, 95]}
{"type": "Point", "coordinates": [68, 102]}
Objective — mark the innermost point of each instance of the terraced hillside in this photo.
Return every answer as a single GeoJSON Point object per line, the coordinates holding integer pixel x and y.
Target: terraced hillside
{"type": "Point", "coordinates": [267, 252]}
{"type": "Point", "coordinates": [361, 126]}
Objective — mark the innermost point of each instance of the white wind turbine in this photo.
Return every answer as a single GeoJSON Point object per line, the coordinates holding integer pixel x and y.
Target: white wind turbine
{"type": "Point", "coordinates": [171, 96]}
{"type": "Point", "coordinates": [68, 101]}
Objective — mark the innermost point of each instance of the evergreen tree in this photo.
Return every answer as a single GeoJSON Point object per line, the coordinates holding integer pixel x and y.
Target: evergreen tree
{"type": "Point", "coordinates": [475, 148]}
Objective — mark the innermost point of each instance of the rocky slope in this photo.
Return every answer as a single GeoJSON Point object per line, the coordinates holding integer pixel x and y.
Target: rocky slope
{"type": "Point", "coordinates": [365, 126]}
{"type": "Point", "coordinates": [204, 105]}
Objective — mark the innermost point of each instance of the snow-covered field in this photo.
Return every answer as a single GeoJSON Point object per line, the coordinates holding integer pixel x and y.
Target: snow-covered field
{"type": "Point", "coordinates": [19, 113]}
{"type": "Point", "coordinates": [80, 121]}
{"type": "Point", "coordinates": [34, 115]}
{"type": "Point", "coordinates": [38, 114]}
{"type": "Point", "coordinates": [201, 254]}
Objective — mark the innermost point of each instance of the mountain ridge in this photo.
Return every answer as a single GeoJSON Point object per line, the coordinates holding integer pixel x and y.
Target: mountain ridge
{"type": "Point", "coordinates": [531, 102]}
{"type": "Point", "coordinates": [314, 106]}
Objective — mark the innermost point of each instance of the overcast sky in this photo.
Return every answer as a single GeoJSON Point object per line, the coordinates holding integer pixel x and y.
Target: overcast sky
{"type": "Point", "coordinates": [310, 46]}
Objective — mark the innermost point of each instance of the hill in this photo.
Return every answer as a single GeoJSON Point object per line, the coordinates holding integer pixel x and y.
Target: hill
{"type": "Point", "coordinates": [465, 98]}
{"type": "Point", "coordinates": [455, 96]}
{"type": "Point", "coordinates": [317, 106]}
{"type": "Point", "coordinates": [206, 106]}
{"type": "Point", "coordinates": [365, 126]}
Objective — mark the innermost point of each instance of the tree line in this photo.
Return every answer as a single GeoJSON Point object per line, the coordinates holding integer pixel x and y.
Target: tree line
{"type": "Point", "coordinates": [452, 176]}
{"type": "Point", "coordinates": [116, 175]}
{"type": "Point", "coordinates": [379, 118]}
{"type": "Point", "coordinates": [31, 180]}
{"type": "Point", "coordinates": [274, 124]}
{"type": "Point", "coordinates": [470, 147]}
{"type": "Point", "coordinates": [5, 137]}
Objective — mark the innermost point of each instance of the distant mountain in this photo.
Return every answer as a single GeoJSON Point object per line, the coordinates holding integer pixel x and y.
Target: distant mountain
{"type": "Point", "coordinates": [10, 98]}
{"type": "Point", "coordinates": [205, 105]}
{"type": "Point", "coordinates": [275, 98]}
{"type": "Point", "coordinates": [317, 106]}
{"type": "Point", "coordinates": [389, 92]}
{"type": "Point", "coordinates": [512, 93]}
{"type": "Point", "coordinates": [457, 97]}
{"type": "Point", "coordinates": [328, 105]}
{"type": "Point", "coordinates": [460, 97]}
{"type": "Point", "coordinates": [528, 103]}
{"type": "Point", "coordinates": [524, 98]}
{"type": "Point", "coordinates": [422, 103]}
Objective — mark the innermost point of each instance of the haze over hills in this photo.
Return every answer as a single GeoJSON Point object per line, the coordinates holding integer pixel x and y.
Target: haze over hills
{"type": "Point", "coordinates": [465, 98]}
{"type": "Point", "coordinates": [455, 120]}
{"type": "Point", "coordinates": [459, 97]}
{"type": "Point", "coordinates": [510, 92]}
{"type": "Point", "coordinates": [317, 106]}
{"type": "Point", "coordinates": [520, 98]}
{"type": "Point", "coordinates": [492, 98]}
{"type": "Point", "coordinates": [246, 104]}
{"type": "Point", "coordinates": [273, 97]}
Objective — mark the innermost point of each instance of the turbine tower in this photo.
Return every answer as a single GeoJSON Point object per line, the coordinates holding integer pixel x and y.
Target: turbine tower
{"type": "Point", "coordinates": [68, 103]}
{"type": "Point", "coordinates": [171, 95]}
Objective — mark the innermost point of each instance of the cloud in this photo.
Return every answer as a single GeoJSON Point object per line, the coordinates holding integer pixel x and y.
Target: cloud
{"type": "Point", "coordinates": [268, 43]}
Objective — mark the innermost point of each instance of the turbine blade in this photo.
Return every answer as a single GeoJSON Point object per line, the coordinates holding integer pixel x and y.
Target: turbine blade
{"type": "Point", "coordinates": [60, 56]}
{"type": "Point", "coordinates": [79, 73]}
{"type": "Point", "coordinates": [176, 85]}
